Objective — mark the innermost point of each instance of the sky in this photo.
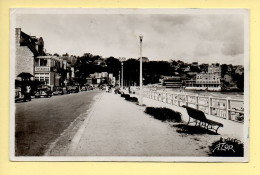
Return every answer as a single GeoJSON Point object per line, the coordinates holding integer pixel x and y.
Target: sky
{"type": "Point", "coordinates": [214, 38]}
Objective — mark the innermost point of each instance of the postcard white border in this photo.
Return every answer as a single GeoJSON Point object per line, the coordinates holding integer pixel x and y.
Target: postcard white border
{"type": "Point", "coordinates": [16, 11]}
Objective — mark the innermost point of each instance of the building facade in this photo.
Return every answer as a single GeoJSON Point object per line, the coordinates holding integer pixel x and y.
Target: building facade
{"type": "Point", "coordinates": [27, 48]}
{"type": "Point", "coordinates": [214, 68]}
{"type": "Point", "coordinates": [210, 80]}
{"type": "Point", "coordinates": [172, 81]}
{"type": "Point", "coordinates": [47, 70]}
{"type": "Point", "coordinates": [101, 77]}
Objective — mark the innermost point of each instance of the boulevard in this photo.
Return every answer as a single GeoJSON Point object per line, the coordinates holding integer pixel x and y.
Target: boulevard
{"type": "Point", "coordinates": [40, 121]}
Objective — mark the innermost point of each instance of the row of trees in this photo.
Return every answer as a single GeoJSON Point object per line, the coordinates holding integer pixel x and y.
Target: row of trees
{"type": "Point", "coordinates": [152, 70]}
{"type": "Point", "coordinates": [87, 64]}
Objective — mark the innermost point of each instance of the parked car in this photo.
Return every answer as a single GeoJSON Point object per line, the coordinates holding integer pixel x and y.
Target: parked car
{"type": "Point", "coordinates": [19, 95]}
{"type": "Point", "coordinates": [72, 89]}
{"type": "Point", "coordinates": [84, 88]}
{"type": "Point", "coordinates": [58, 91]}
{"type": "Point", "coordinates": [89, 87]}
{"type": "Point", "coordinates": [43, 91]}
{"type": "Point", "coordinates": [102, 87]}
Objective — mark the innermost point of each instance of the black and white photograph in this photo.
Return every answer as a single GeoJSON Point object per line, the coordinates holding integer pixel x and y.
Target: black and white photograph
{"type": "Point", "coordinates": [163, 85]}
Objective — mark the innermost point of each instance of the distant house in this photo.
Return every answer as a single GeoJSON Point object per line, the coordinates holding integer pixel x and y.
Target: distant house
{"type": "Point", "coordinates": [214, 68]}
{"type": "Point", "coordinates": [239, 70]}
{"type": "Point", "coordinates": [68, 63]}
{"type": "Point", "coordinates": [122, 59]}
{"type": "Point", "coordinates": [99, 77]}
{"type": "Point", "coordinates": [187, 69]}
{"type": "Point", "coordinates": [227, 78]}
{"type": "Point", "coordinates": [99, 62]}
{"type": "Point", "coordinates": [89, 80]}
{"type": "Point", "coordinates": [104, 74]}
{"type": "Point", "coordinates": [195, 64]}
{"type": "Point", "coordinates": [171, 81]}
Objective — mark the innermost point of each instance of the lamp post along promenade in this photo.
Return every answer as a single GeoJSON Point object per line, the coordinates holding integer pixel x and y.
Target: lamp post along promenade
{"type": "Point", "coordinates": [122, 78]}
{"type": "Point", "coordinates": [119, 79]}
{"type": "Point", "coordinates": [141, 73]}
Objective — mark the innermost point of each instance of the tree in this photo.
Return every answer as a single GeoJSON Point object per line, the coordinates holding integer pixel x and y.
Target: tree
{"type": "Point", "coordinates": [131, 71]}
{"type": "Point", "coordinates": [239, 79]}
{"type": "Point", "coordinates": [56, 54]}
{"type": "Point", "coordinates": [224, 69]}
{"type": "Point", "coordinates": [173, 63]}
{"type": "Point", "coordinates": [113, 66]}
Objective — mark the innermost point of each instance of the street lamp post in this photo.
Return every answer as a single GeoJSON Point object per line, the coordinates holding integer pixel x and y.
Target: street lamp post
{"type": "Point", "coordinates": [141, 73]}
{"type": "Point", "coordinates": [119, 79]}
{"type": "Point", "coordinates": [122, 79]}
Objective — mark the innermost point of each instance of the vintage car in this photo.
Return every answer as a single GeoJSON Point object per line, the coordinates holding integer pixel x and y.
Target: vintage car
{"type": "Point", "coordinates": [65, 91]}
{"type": "Point", "coordinates": [89, 87]}
{"type": "Point", "coordinates": [21, 96]}
{"type": "Point", "coordinates": [43, 91]}
{"type": "Point", "coordinates": [84, 88]}
{"type": "Point", "coordinates": [58, 91]}
{"type": "Point", "coordinates": [72, 89]}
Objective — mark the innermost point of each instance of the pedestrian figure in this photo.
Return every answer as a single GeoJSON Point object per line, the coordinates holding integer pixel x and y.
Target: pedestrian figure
{"type": "Point", "coordinates": [27, 94]}
{"type": "Point", "coordinates": [106, 89]}
{"type": "Point", "coordinates": [116, 89]}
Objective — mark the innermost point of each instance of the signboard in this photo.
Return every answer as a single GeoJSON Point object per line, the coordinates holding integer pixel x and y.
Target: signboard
{"type": "Point", "coordinates": [46, 69]}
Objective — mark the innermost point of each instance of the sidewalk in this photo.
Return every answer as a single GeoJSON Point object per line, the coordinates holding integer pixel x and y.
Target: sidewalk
{"type": "Point", "coordinates": [116, 127]}
{"type": "Point", "coordinates": [231, 129]}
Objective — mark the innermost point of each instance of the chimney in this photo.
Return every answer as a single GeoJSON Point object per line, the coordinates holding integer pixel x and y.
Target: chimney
{"type": "Point", "coordinates": [17, 36]}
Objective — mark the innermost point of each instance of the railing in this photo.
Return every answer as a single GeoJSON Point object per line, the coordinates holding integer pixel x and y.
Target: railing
{"type": "Point", "coordinates": [42, 68]}
{"type": "Point", "coordinates": [230, 109]}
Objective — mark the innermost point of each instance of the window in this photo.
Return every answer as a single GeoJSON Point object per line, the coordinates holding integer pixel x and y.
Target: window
{"type": "Point", "coordinates": [43, 62]}
{"type": "Point", "coordinates": [37, 62]}
{"type": "Point", "coordinates": [47, 80]}
{"type": "Point", "coordinates": [43, 77]}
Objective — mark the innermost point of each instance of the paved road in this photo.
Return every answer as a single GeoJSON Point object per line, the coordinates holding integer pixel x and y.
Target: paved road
{"type": "Point", "coordinates": [40, 122]}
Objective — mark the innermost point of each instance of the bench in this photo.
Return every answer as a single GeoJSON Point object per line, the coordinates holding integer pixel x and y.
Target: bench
{"type": "Point", "coordinates": [201, 119]}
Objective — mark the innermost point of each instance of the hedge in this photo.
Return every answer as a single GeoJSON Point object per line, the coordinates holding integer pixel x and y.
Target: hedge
{"type": "Point", "coordinates": [164, 114]}
{"type": "Point", "coordinates": [132, 99]}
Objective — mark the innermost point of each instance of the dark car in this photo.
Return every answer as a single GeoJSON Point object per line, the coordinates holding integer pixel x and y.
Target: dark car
{"type": "Point", "coordinates": [21, 96]}
{"type": "Point", "coordinates": [58, 91]}
{"type": "Point", "coordinates": [72, 89]}
{"type": "Point", "coordinates": [43, 91]}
